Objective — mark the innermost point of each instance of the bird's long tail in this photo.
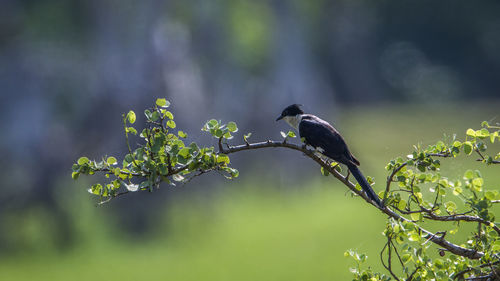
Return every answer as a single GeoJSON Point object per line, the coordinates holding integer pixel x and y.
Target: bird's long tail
{"type": "Point", "coordinates": [364, 184]}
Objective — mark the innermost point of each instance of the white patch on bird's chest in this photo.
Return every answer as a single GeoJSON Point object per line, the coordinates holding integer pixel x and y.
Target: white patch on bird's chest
{"type": "Point", "coordinates": [293, 121]}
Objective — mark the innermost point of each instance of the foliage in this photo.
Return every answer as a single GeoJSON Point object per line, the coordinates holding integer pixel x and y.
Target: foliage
{"type": "Point", "coordinates": [456, 201]}
{"type": "Point", "coordinates": [162, 157]}
{"type": "Point", "coordinates": [408, 253]}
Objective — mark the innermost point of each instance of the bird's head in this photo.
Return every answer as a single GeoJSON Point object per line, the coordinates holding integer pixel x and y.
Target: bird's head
{"type": "Point", "coordinates": [291, 111]}
{"type": "Point", "coordinates": [292, 115]}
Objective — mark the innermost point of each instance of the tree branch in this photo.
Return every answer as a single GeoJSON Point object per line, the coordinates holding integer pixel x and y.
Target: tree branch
{"type": "Point", "coordinates": [439, 240]}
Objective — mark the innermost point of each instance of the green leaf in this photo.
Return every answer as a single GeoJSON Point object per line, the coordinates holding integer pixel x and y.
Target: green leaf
{"type": "Point", "coordinates": [467, 147]}
{"type": "Point", "coordinates": [111, 160]}
{"type": "Point", "coordinates": [155, 116]}
{"type": "Point", "coordinates": [169, 115]}
{"type": "Point", "coordinates": [491, 195]}
{"type": "Point", "coordinates": [131, 130]}
{"type": "Point", "coordinates": [324, 172]}
{"type": "Point", "coordinates": [184, 152]}
{"type": "Point", "coordinates": [212, 123]}
{"type": "Point", "coordinates": [182, 134]}
{"type": "Point", "coordinates": [223, 158]}
{"type": "Point", "coordinates": [440, 145]}
{"type": "Point", "coordinates": [414, 237]}
{"type": "Point", "coordinates": [171, 124]}
{"type": "Point", "coordinates": [469, 174]}
{"type": "Point", "coordinates": [416, 216]}
{"type": "Point", "coordinates": [96, 189]}
{"type": "Point", "coordinates": [194, 147]}
{"type": "Point", "coordinates": [75, 175]}
{"type": "Point", "coordinates": [493, 136]}
{"type": "Point", "coordinates": [496, 247]}
{"type": "Point", "coordinates": [471, 132]}
{"type": "Point", "coordinates": [406, 258]}
{"type": "Point", "coordinates": [128, 158]}
{"type": "Point", "coordinates": [450, 206]}
{"type": "Point", "coordinates": [483, 133]}
{"type": "Point", "coordinates": [144, 185]}
{"type": "Point", "coordinates": [478, 182]}
{"type": "Point", "coordinates": [83, 160]}
{"type": "Point", "coordinates": [439, 263]}
{"type": "Point", "coordinates": [218, 133]}
{"type": "Point", "coordinates": [234, 173]}
{"type": "Point", "coordinates": [148, 114]}
{"type": "Point", "coordinates": [402, 204]}
{"type": "Point", "coordinates": [232, 127]}
{"type": "Point", "coordinates": [131, 117]}
{"type": "Point", "coordinates": [162, 103]}
{"type": "Point", "coordinates": [290, 134]}
{"type": "Point", "coordinates": [458, 190]}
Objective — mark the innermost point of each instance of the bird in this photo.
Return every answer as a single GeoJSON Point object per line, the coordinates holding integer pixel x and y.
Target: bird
{"type": "Point", "coordinates": [319, 134]}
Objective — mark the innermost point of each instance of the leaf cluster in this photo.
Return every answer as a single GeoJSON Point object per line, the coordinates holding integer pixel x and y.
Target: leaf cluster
{"type": "Point", "coordinates": [419, 192]}
{"type": "Point", "coordinates": [161, 156]}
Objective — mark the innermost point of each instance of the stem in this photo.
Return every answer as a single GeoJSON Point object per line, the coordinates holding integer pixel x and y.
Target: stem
{"type": "Point", "coordinates": [389, 181]}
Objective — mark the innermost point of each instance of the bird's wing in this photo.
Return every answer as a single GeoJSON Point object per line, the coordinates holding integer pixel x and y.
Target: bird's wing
{"type": "Point", "coordinates": [320, 134]}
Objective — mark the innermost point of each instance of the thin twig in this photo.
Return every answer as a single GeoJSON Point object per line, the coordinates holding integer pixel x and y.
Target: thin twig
{"type": "Point", "coordinates": [389, 181]}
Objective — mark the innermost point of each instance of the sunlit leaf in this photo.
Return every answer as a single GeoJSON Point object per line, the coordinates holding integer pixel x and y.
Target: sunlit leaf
{"type": "Point", "coordinates": [131, 130]}
{"type": "Point", "coordinates": [83, 160]}
{"type": "Point", "coordinates": [131, 117]}
{"type": "Point", "coordinates": [232, 127]}
{"type": "Point", "coordinates": [450, 206]}
{"type": "Point", "coordinates": [478, 182]}
{"type": "Point", "coordinates": [169, 115]}
{"type": "Point", "coordinates": [162, 102]}
{"type": "Point", "coordinates": [416, 216]}
{"type": "Point", "coordinates": [223, 158]}
{"type": "Point", "coordinates": [184, 152]}
{"type": "Point", "coordinates": [414, 237]}
{"type": "Point", "coordinates": [111, 160]}
{"type": "Point", "coordinates": [471, 132]}
{"type": "Point", "coordinates": [171, 124]}
{"type": "Point", "coordinates": [467, 147]}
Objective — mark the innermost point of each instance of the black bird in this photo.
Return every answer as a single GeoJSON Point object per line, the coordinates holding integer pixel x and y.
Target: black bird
{"type": "Point", "coordinates": [319, 134]}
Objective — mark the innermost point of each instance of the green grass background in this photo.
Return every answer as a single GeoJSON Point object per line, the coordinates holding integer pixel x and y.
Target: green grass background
{"type": "Point", "coordinates": [251, 231]}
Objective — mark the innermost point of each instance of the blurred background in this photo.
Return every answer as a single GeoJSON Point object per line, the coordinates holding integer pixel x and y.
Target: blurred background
{"type": "Point", "coordinates": [387, 74]}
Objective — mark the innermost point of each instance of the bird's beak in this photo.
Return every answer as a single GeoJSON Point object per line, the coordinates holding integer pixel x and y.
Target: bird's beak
{"type": "Point", "coordinates": [279, 118]}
